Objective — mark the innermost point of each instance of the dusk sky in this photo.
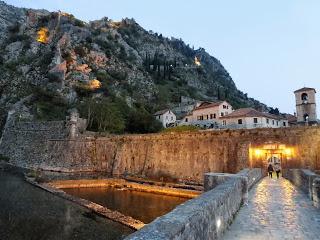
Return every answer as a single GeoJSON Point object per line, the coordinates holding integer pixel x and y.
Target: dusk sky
{"type": "Point", "coordinates": [270, 47]}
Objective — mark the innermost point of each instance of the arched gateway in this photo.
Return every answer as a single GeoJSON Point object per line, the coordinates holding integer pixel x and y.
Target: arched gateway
{"type": "Point", "coordinates": [270, 152]}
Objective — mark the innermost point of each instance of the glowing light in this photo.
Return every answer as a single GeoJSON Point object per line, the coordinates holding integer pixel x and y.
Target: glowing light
{"type": "Point", "coordinates": [197, 61]}
{"type": "Point", "coordinates": [218, 223]}
{"type": "Point", "coordinates": [258, 152]}
{"type": "Point", "coordinates": [94, 84]}
{"type": "Point", "coordinates": [287, 151]}
{"type": "Point", "coordinates": [43, 35]}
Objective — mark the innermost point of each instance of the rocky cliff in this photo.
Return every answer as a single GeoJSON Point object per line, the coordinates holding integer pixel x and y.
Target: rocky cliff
{"type": "Point", "coordinates": [64, 63]}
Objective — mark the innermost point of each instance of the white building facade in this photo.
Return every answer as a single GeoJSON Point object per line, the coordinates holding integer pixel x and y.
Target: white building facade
{"type": "Point", "coordinates": [166, 117]}
{"type": "Point", "coordinates": [207, 114]}
{"type": "Point", "coordinates": [249, 118]}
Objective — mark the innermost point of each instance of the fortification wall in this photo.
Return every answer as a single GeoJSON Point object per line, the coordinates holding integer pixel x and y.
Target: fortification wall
{"type": "Point", "coordinates": [184, 156]}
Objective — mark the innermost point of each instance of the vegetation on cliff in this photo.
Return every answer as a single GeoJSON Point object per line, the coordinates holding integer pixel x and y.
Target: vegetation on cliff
{"type": "Point", "coordinates": [115, 73]}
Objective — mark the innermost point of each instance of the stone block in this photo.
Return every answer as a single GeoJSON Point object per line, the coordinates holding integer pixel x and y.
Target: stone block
{"type": "Point", "coordinates": [316, 192]}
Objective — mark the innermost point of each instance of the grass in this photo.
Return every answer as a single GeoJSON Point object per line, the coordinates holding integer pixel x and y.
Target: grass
{"type": "Point", "coordinates": [182, 129]}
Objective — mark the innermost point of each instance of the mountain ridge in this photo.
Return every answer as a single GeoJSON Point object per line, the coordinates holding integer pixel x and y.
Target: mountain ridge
{"type": "Point", "coordinates": [65, 63]}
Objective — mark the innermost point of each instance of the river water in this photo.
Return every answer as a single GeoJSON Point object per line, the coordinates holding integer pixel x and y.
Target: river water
{"type": "Point", "coordinates": [139, 205]}
{"type": "Point", "coordinates": [27, 212]}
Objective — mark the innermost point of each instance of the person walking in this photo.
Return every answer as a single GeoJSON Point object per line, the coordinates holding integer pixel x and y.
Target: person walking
{"type": "Point", "coordinates": [277, 168]}
{"type": "Point", "coordinates": [270, 170]}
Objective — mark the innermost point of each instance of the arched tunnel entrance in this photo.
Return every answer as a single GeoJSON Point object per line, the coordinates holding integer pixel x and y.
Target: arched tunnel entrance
{"type": "Point", "coordinates": [271, 153]}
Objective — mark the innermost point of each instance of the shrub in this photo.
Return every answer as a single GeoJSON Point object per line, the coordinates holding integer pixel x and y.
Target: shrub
{"type": "Point", "coordinates": [4, 158]}
{"type": "Point", "coordinates": [141, 121]}
{"type": "Point", "coordinates": [13, 29]}
{"type": "Point", "coordinates": [79, 23]}
{"type": "Point", "coordinates": [49, 105]}
{"type": "Point", "coordinates": [80, 50]}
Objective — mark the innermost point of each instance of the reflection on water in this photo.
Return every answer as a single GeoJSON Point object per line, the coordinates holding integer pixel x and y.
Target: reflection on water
{"type": "Point", "coordinates": [139, 205]}
{"type": "Point", "coordinates": [28, 212]}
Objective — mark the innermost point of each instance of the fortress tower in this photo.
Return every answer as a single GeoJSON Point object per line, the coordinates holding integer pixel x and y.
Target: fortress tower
{"type": "Point", "coordinates": [306, 105]}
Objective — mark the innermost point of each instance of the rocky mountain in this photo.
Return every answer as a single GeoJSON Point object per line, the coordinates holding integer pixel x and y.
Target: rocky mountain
{"type": "Point", "coordinates": [53, 62]}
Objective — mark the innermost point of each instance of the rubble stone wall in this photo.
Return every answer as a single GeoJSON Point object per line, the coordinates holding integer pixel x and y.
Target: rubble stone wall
{"type": "Point", "coordinates": [169, 156]}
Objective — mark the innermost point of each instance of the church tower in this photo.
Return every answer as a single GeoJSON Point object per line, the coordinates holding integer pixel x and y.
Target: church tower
{"type": "Point", "coordinates": [306, 105]}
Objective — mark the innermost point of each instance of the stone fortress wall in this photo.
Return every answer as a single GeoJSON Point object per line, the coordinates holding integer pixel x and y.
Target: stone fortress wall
{"type": "Point", "coordinates": [186, 156]}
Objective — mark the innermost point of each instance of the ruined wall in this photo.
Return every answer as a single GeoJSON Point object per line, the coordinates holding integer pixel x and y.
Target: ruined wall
{"type": "Point", "coordinates": [184, 156]}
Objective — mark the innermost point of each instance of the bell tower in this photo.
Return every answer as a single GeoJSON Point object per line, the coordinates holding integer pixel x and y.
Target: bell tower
{"type": "Point", "coordinates": [306, 106]}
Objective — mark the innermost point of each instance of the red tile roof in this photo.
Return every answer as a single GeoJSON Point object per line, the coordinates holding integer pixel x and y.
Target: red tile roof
{"type": "Point", "coordinates": [250, 112]}
{"type": "Point", "coordinates": [208, 105]}
{"type": "Point", "coordinates": [161, 112]}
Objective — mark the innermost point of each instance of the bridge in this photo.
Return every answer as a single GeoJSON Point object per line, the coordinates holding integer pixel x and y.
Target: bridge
{"type": "Point", "coordinates": [276, 210]}
{"type": "Point", "coordinates": [284, 208]}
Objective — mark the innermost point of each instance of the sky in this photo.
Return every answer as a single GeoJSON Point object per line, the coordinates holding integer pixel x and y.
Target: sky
{"type": "Point", "coordinates": [269, 47]}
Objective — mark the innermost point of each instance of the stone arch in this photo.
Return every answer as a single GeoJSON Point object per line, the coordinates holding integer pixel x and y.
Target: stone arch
{"type": "Point", "coordinates": [306, 117]}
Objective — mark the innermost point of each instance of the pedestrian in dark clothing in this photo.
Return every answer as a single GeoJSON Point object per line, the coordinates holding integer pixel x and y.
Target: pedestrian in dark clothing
{"type": "Point", "coordinates": [270, 170]}
{"type": "Point", "coordinates": [277, 168]}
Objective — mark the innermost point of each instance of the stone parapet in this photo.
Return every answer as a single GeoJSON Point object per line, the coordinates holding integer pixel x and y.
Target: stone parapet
{"type": "Point", "coordinates": [307, 181]}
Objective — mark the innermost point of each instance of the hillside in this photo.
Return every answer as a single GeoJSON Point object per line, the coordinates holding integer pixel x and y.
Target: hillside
{"type": "Point", "coordinates": [115, 73]}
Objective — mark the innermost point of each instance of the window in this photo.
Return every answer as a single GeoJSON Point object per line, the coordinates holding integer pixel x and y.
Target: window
{"type": "Point", "coordinates": [277, 123]}
{"type": "Point", "coordinates": [224, 106]}
{"type": "Point", "coordinates": [211, 116]}
{"type": "Point", "coordinates": [239, 121]}
{"type": "Point", "coordinates": [214, 115]}
{"type": "Point", "coordinates": [171, 118]}
{"type": "Point", "coordinates": [222, 114]}
{"type": "Point", "coordinates": [255, 120]}
{"type": "Point", "coordinates": [207, 116]}
{"type": "Point", "coordinates": [224, 122]}
{"type": "Point", "coordinates": [186, 120]}
{"type": "Point", "coordinates": [267, 121]}
{"type": "Point", "coordinates": [306, 117]}
{"type": "Point", "coordinates": [200, 118]}
{"type": "Point", "coordinates": [272, 122]}
{"type": "Point", "coordinates": [284, 124]}
{"type": "Point", "coordinates": [304, 97]}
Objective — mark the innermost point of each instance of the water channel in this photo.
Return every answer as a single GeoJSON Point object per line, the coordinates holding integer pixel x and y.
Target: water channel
{"type": "Point", "coordinates": [28, 212]}
{"type": "Point", "coordinates": [139, 205]}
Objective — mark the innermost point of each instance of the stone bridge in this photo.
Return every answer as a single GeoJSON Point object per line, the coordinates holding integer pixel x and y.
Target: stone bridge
{"type": "Point", "coordinates": [273, 209]}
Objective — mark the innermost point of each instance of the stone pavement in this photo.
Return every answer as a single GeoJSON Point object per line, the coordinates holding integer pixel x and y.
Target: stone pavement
{"type": "Point", "coordinates": [276, 210]}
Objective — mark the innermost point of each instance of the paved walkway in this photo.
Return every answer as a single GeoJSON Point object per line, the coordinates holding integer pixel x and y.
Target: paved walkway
{"type": "Point", "coordinates": [276, 210]}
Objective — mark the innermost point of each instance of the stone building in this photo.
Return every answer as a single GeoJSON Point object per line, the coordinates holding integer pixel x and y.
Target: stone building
{"type": "Point", "coordinates": [250, 118]}
{"type": "Point", "coordinates": [166, 117]}
{"type": "Point", "coordinates": [306, 106]}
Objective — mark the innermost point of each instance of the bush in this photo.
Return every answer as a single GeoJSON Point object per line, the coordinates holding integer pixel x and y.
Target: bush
{"type": "Point", "coordinates": [141, 121]}
{"type": "Point", "coordinates": [80, 50]}
{"type": "Point", "coordinates": [79, 23]}
{"type": "Point", "coordinates": [49, 105]}
{"type": "Point", "coordinates": [104, 116]}
{"type": "Point", "coordinates": [4, 158]}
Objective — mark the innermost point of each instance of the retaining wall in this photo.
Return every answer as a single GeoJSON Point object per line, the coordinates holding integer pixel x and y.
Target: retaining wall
{"type": "Point", "coordinates": [171, 156]}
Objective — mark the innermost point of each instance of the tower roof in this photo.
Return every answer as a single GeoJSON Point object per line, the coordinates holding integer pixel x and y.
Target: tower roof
{"type": "Point", "coordinates": [305, 89]}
